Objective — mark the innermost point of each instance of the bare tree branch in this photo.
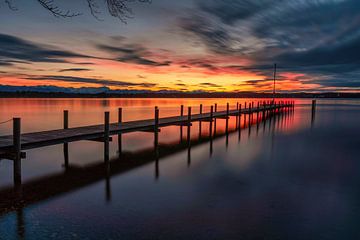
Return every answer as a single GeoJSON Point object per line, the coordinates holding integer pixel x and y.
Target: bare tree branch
{"type": "Point", "coordinates": [116, 8]}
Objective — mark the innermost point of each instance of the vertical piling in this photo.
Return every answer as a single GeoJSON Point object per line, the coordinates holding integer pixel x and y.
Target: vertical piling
{"type": "Point", "coordinates": [17, 151]}
{"type": "Point", "coordinates": [200, 122]}
{"type": "Point", "coordinates": [120, 135]}
{"type": "Point", "coordinates": [106, 136]}
{"type": "Point", "coordinates": [66, 145]}
{"type": "Point", "coordinates": [156, 139]}
{"type": "Point", "coordinates": [181, 127]}
{"type": "Point", "coordinates": [189, 125]}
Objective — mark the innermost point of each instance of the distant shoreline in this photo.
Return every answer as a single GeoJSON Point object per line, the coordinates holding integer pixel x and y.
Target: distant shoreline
{"type": "Point", "coordinates": [177, 95]}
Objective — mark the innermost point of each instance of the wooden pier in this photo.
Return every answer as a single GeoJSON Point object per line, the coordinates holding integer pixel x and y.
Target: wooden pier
{"type": "Point", "coordinates": [12, 146]}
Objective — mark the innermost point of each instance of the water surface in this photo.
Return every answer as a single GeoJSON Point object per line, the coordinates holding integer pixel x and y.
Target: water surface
{"type": "Point", "coordinates": [290, 177]}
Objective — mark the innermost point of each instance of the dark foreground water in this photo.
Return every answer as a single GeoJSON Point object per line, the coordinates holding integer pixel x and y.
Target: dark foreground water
{"type": "Point", "coordinates": [287, 178]}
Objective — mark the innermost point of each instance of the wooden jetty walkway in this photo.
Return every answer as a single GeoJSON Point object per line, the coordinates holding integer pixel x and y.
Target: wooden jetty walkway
{"type": "Point", "coordinates": [11, 146]}
{"type": "Point", "coordinates": [76, 177]}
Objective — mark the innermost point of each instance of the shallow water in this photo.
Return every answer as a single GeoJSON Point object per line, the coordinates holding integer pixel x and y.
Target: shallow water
{"type": "Point", "coordinates": [286, 178]}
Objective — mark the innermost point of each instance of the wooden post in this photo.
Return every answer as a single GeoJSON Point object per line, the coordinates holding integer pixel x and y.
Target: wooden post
{"type": "Point", "coordinates": [66, 119]}
{"type": "Point", "coordinates": [215, 107]}
{"type": "Point", "coordinates": [188, 125]}
{"type": "Point", "coordinates": [120, 135]}
{"type": "Point", "coordinates": [156, 127]}
{"type": "Point", "coordinates": [313, 111]}
{"type": "Point", "coordinates": [313, 105]}
{"type": "Point", "coordinates": [66, 145]}
{"type": "Point", "coordinates": [200, 122]}
{"type": "Point", "coordinates": [106, 136]}
{"type": "Point", "coordinates": [227, 119]}
{"type": "Point", "coordinates": [17, 151]}
{"type": "Point", "coordinates": [237, 115]}
{"type": "Point", "coordinates": [211, 119]}
{"type": "Point", "coordinates": [181, 127]}
{"type": "Point", "coordinates": [156, 140]}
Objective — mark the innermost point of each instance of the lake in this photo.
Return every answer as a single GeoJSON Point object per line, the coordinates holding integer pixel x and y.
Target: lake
{"type": "Point", "coordinates": [293, 176]}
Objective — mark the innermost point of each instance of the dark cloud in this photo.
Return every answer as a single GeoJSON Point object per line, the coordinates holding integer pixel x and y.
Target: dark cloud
{"type": "Point", "coordinates": [89, 80]}
{"type": "Point", "coordinates": [209, 85]}
{"type": "Point", "coordinates": [75, 70]}
{"type": "Point", "coordinates": [317, 38]}
{"type": "Point", "coordinates": [132, 53]}
{"type": "Point", "coordinates": [14, 49]}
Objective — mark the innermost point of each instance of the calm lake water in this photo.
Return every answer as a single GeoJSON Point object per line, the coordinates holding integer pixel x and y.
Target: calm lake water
{"type": "Point", "coordinates": [286, 178]}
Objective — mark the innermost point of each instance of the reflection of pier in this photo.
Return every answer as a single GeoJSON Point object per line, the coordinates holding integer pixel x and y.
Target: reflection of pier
{"type": "Point", "coordinates": [74, 177]}
{"type": "Point", "coordinates": [11, 146]}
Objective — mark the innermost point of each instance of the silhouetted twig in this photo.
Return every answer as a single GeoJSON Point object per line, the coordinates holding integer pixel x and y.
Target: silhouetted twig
{"type": "Point", "coordinates": [116, 8]}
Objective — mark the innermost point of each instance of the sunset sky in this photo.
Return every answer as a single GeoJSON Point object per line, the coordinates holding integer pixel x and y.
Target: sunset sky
{"type": "Point", "coordinates": [187, 45]}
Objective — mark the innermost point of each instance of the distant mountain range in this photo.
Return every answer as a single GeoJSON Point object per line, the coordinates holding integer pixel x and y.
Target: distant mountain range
{"type": "Point", "coordinates": [57, 92]}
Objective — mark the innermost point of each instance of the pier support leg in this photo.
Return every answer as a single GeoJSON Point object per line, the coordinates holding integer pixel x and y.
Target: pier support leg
{"type": "Point", "coordinates": [200, 122]}
{"type": "Point", "coordinates": [189, 136]}
{"type": "Point", "coordinates": [120, 135]}
{"type": "Point", "coordinates": [66, 145]}
{"type": "Point", "coordinates": [156, 140]}
{"type": "Point", "coordinates": [17, 151]}
{"type": "Point", "coordinates": [210, 128]}
{"type": "Point", "coordinates": [227, 124]}
{"type": "Point", "coordinates": [181, 127]}
{"type": "Point", "coordinates": [313, 112]}
{"type": "Point", "coordinates": [106, 136]}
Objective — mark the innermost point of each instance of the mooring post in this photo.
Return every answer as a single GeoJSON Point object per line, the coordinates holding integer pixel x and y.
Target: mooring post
{"type": "Point", "coordinates": [227, 109]}
{"type": "Point", "coordinates": [237, 115]}
{"type": "Point", "coordinates": [215, 110]}
{"type": "Point", "coordinates": [188, 125]}
{"type": "Point", "coordinates": [106, 136]}
{"type": "Point", "coordinates": [66, 145]}
{"type": "Point", "coordinates": [227, 118]}
{"type": "Point", "coordinates": [156, 127]}
{"type": "Point", "coordinates": [17, 151]}
{"type": "Point", "coordinates": [66, 119]}
{"type": "Point", "coordinates": [120, 135]}
{"type": "Point", "coordinates": [313, 105]}
{"type": "Point", "coordinates": [200, 122]}
{"type": "Point", "coordinates": [313, 111]}
{"type": "Point", "coordinates": [156, 139]}
{"type": "Point", "coordinates": [211, 120]}
{"type": "Point", "coordinates": [181, 127]}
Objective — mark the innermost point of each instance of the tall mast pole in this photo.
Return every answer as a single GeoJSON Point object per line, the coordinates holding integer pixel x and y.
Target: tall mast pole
{"type": "Point", "coordinates": [274, 82]}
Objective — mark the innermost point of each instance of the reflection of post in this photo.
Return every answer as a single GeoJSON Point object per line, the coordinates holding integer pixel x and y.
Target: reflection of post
{"type": "Point", "coordinates": [106, 136]}
{"type": "Point", "coordinates": [66, 156]}
{"type": "Point", "coordinates": [200, 122]}
{"type": "Point", "coordinates": [120, 135]}
{"type": "Point", "coordinates": [313, 112]}
{"type": "Point", "coordinates": [189, 134]}
{"type": "Point", "coordinates": [210, 129]}
{"type": "Point", "coordinates": [215, 110]}
{"type": "Point", "coordinates": [227, 124]}
{"type": "Point", "coordinates": [181, 127]}
{"type": "Point", "coordinates": [66, 145]}
{"type": "Point", "coordinates": [189, 126]}
{"type": "Point", "coordinates": [156, 142]}
{"type": "Point", "coordinates": [20, 223]}
{"type": "Point", "coordinates": [239, 129]}
{"type": "Point", "coordinates": [17, 152]}
{"type": "Point", "coordinates": [107, 181]}
{"type": "Point", "coordinates": [237, 116]}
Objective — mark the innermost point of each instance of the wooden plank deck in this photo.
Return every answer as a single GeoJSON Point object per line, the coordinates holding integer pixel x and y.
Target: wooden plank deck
{"type": "Point", "coordinates": [53, 137]}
